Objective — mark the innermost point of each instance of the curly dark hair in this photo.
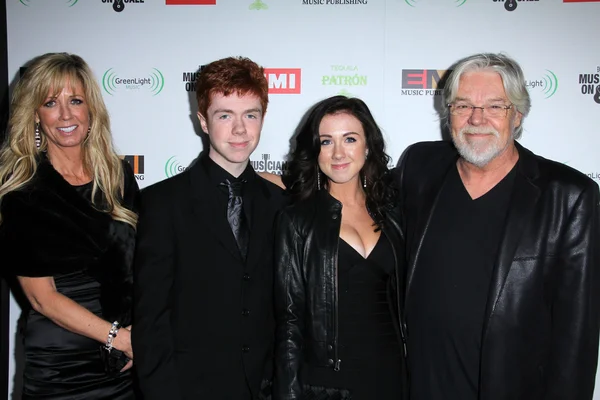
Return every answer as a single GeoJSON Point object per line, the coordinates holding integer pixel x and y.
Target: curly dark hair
{"type": "Point", "coordinates": [300, 178]}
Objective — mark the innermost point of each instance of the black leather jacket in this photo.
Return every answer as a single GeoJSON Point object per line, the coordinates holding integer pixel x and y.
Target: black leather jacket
{"type": "Point", "coordinates": [306, 291]}
{"type": "Point", "coordinates": [542, 319]}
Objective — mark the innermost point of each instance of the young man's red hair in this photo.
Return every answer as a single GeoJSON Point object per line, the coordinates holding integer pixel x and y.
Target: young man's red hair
{"type": "Point", "coordinates": [231, 75]}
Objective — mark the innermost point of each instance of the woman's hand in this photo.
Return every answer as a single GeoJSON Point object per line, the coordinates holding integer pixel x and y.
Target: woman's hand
{"type": "Point", "coordinates": [127, 366]}
{"type": "Point", "coordinates": [123, 342]}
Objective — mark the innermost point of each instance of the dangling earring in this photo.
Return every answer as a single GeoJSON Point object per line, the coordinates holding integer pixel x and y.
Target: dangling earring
{"type": "Point", "coordinates": [38, 138]}
{"type": "Point", "coordinates": [87, 134]}
{"type": "Point", "coordinates": [318, 179]}
{"type": "Point", "coordinates": [364, 175]}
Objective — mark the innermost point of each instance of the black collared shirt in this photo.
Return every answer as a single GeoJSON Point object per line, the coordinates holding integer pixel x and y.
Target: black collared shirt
{"type": "Point", "coordinates": [217, 175]}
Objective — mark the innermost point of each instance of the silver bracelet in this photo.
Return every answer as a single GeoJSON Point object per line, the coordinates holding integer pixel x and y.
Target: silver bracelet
{"type": "Point", "coordinates": [112, 334]}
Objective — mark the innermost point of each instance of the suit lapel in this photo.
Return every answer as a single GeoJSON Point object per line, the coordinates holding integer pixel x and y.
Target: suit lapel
{"type": "Point", "coordinates": [208, 212]}
{"type": "Point", "coordinates": [261, 224]}
{"type": "Point", "coordinates": [525, 196]}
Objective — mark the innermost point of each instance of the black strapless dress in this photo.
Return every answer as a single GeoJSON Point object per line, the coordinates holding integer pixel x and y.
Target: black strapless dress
{"type": "Point", "coordinates": [370, 350]}
{"type": "Point", "coordinates": [60, 364]}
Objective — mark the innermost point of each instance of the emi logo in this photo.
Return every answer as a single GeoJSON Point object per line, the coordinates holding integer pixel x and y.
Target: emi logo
{"type": "Point", "coordinates": [284, 80]}
{"type": "Point", "coordinates": [137, 164]}
{"type": "Point", "coordinates": [422, 78]}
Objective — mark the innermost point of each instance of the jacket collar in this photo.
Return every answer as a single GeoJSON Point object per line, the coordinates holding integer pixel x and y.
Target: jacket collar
{"type": "Point", "coordinates": [524, 197]}
{"type": "Point", "coordinates": [208, 211]}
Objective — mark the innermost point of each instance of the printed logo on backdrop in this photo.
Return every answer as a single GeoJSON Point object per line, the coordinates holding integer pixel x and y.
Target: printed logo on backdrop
{"type": "Point", "coordinates": [265, 164]}
{"type": "Point", "coordinates": [547, 84]}
{"type": "Point", "coordinates": [414, 3]}
{"type": "Point", "coordinates": [191, 2]}
{"type": "Point", "coordinates": [345, 92]}
{"type": "Point", "coordinates": [151, 82]}
{"type": "Point", "coordinates": [189, 79]}
{"type": "Point", "coordinates": [511, 5]}
{"type": "Point", "coordinates": [422, 82]}
{"type": "Point", "coordinates": [594, 175]}
{"type": "Point", "coordinates": [119, 5]}
{"type": "Point", "coordinates": [28, 3]}
{"type": "Point", "coordinates": [590, 85]}
{"type": "Point", "coordinates": [281, 80]}
{"type": "Point", "coordinates": [344, 77]}
{"type": "Point", "coordinates": [284, 80]}
{"type": "Point", "coordinates": [173, 167]}
{"type": "Point", "coordinates": [258, 5]}
{"type": "Point", "coordinates": [333, 2]}
{"type": "Point", "coordinates": [137, 164]}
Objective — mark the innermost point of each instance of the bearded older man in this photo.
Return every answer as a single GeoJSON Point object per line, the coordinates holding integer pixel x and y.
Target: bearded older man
{"type": "Point", "coordinates": [503, 286]}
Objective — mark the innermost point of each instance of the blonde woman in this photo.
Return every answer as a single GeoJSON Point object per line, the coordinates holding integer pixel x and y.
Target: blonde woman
{"type": "Point", "coordinates": [67, 220]}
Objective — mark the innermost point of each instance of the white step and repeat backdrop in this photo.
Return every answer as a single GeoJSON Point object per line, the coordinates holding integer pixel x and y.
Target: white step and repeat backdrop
{"type": "Point", "coordinates": [390, 53]}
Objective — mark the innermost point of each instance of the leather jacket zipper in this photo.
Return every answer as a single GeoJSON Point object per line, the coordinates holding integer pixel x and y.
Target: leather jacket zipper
{"type": "Point", "coordinates": [337, 361]}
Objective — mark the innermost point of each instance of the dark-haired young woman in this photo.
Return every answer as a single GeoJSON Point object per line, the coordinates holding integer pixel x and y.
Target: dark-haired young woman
{"type": "Point", "coordinates": [339, 262]}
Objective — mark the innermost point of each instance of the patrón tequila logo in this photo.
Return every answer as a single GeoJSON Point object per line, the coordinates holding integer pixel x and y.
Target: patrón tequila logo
{"type": "Point", "coordinates": [258, 5]}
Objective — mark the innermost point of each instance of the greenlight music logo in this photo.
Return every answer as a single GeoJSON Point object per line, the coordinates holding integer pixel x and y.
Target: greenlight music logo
{"type": "Point", "coordinates": [173, 167]}
{"type": "Point", "coordinates": [547, 84]}
{"type": "Point", "coordinates": [153, 82]}
{"type": "Point", "coordinates": [69, 3]}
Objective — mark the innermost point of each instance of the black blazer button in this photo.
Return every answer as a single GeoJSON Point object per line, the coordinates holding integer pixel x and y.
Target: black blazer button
{"type": "Point", "coordinates": [246, 277]}
{"type": "Point", "coordinates": [329, 347]}
{"type": "Point", "coordinates": [245, 312]}
{"type": "Point", "coordinates": [334, 216]}
{"type": "Point", "coordinates": [246, 349]}
{"type": "Point", "coordinates": [330, 361]}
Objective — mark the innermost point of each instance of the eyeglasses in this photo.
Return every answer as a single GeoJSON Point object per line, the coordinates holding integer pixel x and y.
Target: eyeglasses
{"type": "Point", "coordinates": [492, 111]}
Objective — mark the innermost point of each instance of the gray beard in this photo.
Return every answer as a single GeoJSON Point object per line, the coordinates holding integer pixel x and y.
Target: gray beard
{"type": "Point", "coordinates": [479, 156]}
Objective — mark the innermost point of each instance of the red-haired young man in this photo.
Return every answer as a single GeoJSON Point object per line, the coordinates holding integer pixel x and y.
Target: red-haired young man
{"type": "Point", "coordinates": [203, 279]}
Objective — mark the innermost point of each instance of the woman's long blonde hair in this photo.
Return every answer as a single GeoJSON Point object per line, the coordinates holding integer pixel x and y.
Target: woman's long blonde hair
{"type": "Point", "coordinates": [19, 156]}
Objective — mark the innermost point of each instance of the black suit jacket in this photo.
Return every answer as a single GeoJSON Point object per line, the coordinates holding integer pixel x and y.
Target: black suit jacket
{"type": "Point", "coordinates": [203, 319]}
{"type": "Point", "coordinates": [540, 337]}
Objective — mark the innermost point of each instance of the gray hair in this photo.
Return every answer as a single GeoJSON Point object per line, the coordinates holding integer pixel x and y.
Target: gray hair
{"type": "Point", "coordinates": [512, 79]}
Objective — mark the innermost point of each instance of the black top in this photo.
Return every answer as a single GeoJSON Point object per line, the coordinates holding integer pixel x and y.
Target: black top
{"type": "Point", "coordinates": [217, 175]}
{"type": "Point", "coordinates": [449, 293]}
{"type": "Point", "coordinates": [370, 351]}
{"type": "Point", "coordinates": [58, 363]}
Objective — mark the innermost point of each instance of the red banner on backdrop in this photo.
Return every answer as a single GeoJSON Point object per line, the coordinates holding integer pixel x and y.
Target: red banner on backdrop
{"type": "Point", "coordinates": [191, 2]}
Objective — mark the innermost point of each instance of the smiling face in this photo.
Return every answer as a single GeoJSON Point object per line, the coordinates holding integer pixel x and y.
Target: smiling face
{"type": "Point", "coordinates": [233, 124]}
{"type": "Point", "coordinates": [64, 118]}
{"type": "Point", "coordinates": [478, 137]}
{"type": "Point", "coordinates": [343, 148]}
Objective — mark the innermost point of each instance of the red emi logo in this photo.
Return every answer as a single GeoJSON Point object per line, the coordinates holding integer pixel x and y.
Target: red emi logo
{"type": "Point", "coordinates": [191, 2]}
{"type": "Point", "coordinates": [284, 80]}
